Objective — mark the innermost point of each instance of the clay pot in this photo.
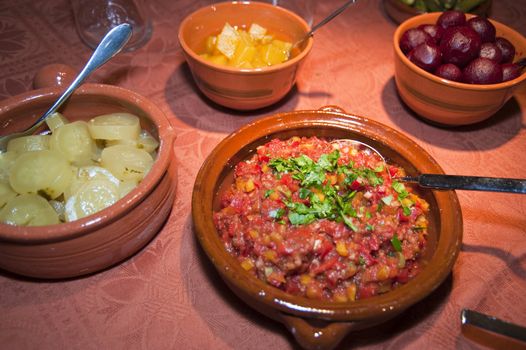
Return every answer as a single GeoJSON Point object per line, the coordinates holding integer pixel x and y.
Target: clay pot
{"type": "Point", "coordinates": [103, 239]}
{"type": "Point", "coordinates": [242, 89]}
{"type": "Point", "coordinates": [319, 324]}
{"type": "Point", "coordinates": [447, 102]}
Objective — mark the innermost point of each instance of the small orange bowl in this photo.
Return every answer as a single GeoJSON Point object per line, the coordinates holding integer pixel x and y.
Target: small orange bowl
{"type": "Point", "coordinates": [447, 102]}
{"type": "Point", "coordinates": [103, 239]}
{"type": "Point", "coordinates": [237, 88]}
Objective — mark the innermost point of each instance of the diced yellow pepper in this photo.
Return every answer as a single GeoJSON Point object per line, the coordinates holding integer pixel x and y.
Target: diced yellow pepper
{"type": "Point", "coordinates": [383, 273]}
{"type": "Point", "coordinates": [351, 292]}
{"type": "Point", "coordinates": [249, 185]}
{"type": "Point", "coordinates": [341, 248]}
{"type": "Point", "coordinates": [245, 185]}
{"type": "Point", "coordinates": [406, 202]}
{"type": "Point", "coordinates": [247, 264]}
{"type": "Point", "coordinates": [253, 233]}
{"type": "Point", "coordinates": [340, 298]}
{"type": "Point", "coordinates": [276, 237]}
{"type": "Point", "coordinates": [271, 255]}
{"type": "Point", "coordinates": [305, 279]}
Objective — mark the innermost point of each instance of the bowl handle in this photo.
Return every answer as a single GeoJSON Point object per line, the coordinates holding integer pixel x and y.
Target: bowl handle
{"type": "Point", "coordinates": [54, 75]}
{"type": "Point", "coordinates": [316, 334]}
{"type": "Point", "coordinates": [332, 108]}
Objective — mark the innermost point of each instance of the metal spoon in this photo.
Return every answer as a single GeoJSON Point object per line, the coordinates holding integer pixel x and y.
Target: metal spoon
{"type": "Point", "coordinates": [111, 44]}
{"type": "Point", "coordinates": [450, 182]}
{"type": "Point", "coordinates": [324, 21]}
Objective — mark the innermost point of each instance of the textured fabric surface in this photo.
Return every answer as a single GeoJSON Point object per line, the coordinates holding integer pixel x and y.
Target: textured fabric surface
{"type": "Point", "coordinates": [168, 296]}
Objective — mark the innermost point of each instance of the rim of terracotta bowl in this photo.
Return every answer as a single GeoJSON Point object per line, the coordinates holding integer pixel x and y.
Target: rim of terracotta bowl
{"type": "Point", "coordinates": [244, 71]}
{"type": "Point", "coordinates": [431, 18]}
{"type": "Point", "coordinates": [375, 308]}
{"type": "Point", "coordinates": [406, 10]}
{"type": "Point", "coordinates": [69, 230]}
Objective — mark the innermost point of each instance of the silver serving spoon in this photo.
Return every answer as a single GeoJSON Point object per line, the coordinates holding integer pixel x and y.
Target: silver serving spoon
{"type": "Point", "coordinates": [110, 45]}
{"type": "Point", "coordinates": [449, 182]}
{"type": "Point", "coordinates": [324, 21]}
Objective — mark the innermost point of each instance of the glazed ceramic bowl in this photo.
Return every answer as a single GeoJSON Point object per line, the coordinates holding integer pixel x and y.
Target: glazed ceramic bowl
{"type": "Point", "coordinates": [103, 239]}
{"type": "Point", "coordinates": [319, 324]}
{"type": "Point", "coordinates": [447, 102]}
{"type": "Point", "coordinates": [243, 89]}
{"type": "Point", "coordinates": [399, 12]}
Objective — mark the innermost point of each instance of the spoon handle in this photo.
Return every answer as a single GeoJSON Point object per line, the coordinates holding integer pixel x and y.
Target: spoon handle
{"type": "Point", "coordinates": [330, 17]}
{"type": "Point", "coordinates": [476, 183]}
{"type": "Point", "coordinates": [111, 44]}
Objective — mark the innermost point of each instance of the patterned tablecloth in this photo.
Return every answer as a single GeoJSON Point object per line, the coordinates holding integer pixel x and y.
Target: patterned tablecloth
{"type": "Point", "coordinates": [168, 296]}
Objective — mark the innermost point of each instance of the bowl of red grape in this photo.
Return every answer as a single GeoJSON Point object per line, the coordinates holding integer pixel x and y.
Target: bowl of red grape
{"type": "Point", "coordinates": [453, 68]}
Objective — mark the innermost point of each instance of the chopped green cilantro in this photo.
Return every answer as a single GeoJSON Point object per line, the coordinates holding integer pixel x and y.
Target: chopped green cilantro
{"type": "Point", "coordinates": [301, 219]}
{"type": "Point", "coordinates": [348, 221]}
{"type": "Point", "coordinates": [397, 245]}
{"type": "Point", "coordinates": [304, 193]}
{"type": "Point", "coordinates": [361, 260]}
{"type": "Point", "coordinates": [400, 189]}
{"type": "Point", "coordinates": [327, 201]}
{"type": "Point", "coordinates": [277, 213]}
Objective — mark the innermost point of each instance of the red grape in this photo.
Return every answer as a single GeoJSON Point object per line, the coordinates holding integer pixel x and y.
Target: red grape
{"type": "Point", "coordinates": [433, 30]}
{"type": "Point", "coordinates": [485, 29]}
{"type": "Point", "coordinates": [412, 38]}
{"type": "Point", "coordinates": [510, 71]}
{"type": "Point", "coordinates": [427, 56]}
{"type": "Point", "coordinates": [507, 49]}
{"type": "Point", "coordinates": [449, 71]}
{"type": "Point", "coordinates": [482, 71]}
{"type": "Point", "coordinates": [451, 18]}
{"type": "Point", "coordinates": [491, 51]}
{"type": "Point", "coordinates": [460, 45]}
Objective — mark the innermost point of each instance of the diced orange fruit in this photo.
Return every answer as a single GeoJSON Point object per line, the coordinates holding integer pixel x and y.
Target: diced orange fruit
{"type": "Point", "coordinates": [252, 49]}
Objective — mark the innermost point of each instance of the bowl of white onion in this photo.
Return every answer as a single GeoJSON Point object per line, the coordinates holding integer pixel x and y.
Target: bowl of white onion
{"type": "Point", "coordinates": [89, 189]}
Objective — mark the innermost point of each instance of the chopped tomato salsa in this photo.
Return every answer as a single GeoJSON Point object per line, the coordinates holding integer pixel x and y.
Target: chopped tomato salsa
{"type": "Point", "coordinates": [323, 220]}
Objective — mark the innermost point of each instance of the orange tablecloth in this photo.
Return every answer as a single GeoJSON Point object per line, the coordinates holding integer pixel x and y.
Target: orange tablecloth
{"type": "Point", "coordinates": [168, 296]}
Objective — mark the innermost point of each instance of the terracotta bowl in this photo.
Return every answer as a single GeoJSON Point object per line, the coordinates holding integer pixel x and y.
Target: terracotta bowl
{"type": "Point", "coordinates": [243, 89]}
{"type": "Point", "coordinates": [447, 102]}
{"type": "Point", "coordinates": [399, 12]}
{"type": "Point", "coordinates": [319, 324]}
{"type": "Point", "coordinates": [101, 240]}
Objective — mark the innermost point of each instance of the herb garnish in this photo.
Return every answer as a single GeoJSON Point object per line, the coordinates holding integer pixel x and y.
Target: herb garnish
{"type": "Point", "coordinates": [324, 200]}
{"type": "Point", "coordinates": [397, 245]}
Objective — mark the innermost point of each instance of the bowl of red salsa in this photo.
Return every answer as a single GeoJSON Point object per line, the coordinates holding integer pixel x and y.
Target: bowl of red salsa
{"type": "Point", "coordinates": [305, 227]}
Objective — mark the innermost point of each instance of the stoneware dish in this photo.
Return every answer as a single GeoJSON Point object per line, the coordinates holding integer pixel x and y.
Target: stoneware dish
{"type": "Point", "coordinates": [243, 89]}
{"type": "Point", "coordinates": [399, 12]}
{"type": "Point", "coordinates": [319, 324]}
{"type": "Point", "coordinates": [101, 240]}
{"type": "Point", "coordinates": [447, 102]}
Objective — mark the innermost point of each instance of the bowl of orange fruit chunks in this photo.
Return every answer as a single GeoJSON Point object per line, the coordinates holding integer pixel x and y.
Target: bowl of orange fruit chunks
{"type": "Point", "coordinates": [244, 55]}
